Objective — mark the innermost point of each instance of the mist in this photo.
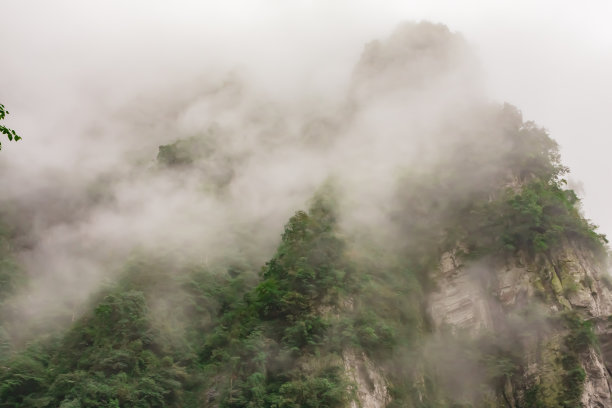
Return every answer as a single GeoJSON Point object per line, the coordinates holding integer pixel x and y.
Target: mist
{"type": "Point", "coordinates": [253, 201]}
{"type": "Point", "coordinates": [283, 98]}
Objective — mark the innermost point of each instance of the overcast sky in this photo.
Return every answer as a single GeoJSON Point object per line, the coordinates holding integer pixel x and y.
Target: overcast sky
{"type": "Point", "coordinates": [63, 60]}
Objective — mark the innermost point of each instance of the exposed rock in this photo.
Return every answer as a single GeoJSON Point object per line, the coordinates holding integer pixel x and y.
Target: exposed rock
{"type": "Point", "coordinates": [604, 334]}
{"type": "Point", "coordinates": [570, 278]}
{"type": "Point", "coordinates": [371, 387]}
{"type": "Point", "coordinates": [459, 301]}
{"type": "Point", "coordinates": [581, 280]}
{"type": "Point", "coordinates": [513, 283]}
{"type": "Point", "coordinates": [597, 392]}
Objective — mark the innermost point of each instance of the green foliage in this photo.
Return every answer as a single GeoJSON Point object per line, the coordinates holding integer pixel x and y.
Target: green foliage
{"type": "Point", "coordinates": [565, 386]}
{"type": "Point", "coordinates": [532, 154]}
{"type": "Point", "coordinates": [328, 389]}
{"type": "Point", "coordinates": [581, 333]}
{"type": "Point", "coordinates": [186, 151]}
{"type": "Point", "coordinates": [519, 203]}
{"type": "Point", "coordinates": [10, 133]}
{"type": "Point", "coordinates": [177, 153]}
{"type": "Point", "coordinates": [170, 336]}
{"type": "Point", "coordinates": [11, 276]}
{"type": "Point", "coordinates": [109, 358]}
{"type": "Point", "coordinates": [533, 398]}
{"type": "Point", "coordinates": [263, 339]}
{"type": "Point", "coordinates": [26, 375]}
{"type": "Point", "coordinates": [523, 210]}
{"type": "Point", "coordinates": [573, 382]}
{"type": "Point", "coordinates": [12, 279]}
{"type": "Point", "coordinates": [579, 339]}
{"type": "Point", "coordinates": [307, 273]}
{"type": "Point", "coordinates": [535, 219]}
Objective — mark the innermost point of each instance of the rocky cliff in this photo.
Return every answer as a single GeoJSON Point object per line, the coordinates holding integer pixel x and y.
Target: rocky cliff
{"type": "Point", "coordinates": [570, 280]}
{"type": "Point", "coordinates": [442, 262]}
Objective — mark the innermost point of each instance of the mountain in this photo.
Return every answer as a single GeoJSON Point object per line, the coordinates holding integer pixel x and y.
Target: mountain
{"type": "Point", "coordinates": [441, 261]}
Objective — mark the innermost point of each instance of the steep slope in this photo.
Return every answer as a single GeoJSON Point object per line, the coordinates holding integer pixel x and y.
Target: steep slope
{"type": "Point", "coordinates": [448, 266]}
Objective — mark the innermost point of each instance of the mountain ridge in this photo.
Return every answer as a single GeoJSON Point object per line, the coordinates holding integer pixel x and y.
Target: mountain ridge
{"type": "Point", "coordinates": [441, 262]}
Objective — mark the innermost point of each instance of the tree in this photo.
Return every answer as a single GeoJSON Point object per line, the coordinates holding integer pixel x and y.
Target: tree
{"type": "Point", "coordinates": [10, 133]}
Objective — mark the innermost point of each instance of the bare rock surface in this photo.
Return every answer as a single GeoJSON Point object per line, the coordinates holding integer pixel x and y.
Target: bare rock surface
{"type": "Point", "coordinates": [371, 387]}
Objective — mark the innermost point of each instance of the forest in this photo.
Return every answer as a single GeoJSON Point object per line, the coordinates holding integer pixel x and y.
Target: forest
{"type": "Point", "coordinates": [457, 274]}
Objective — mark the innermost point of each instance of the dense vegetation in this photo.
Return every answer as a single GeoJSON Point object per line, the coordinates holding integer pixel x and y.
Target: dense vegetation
{"type": "Point", "coordinates": [11, 279]}
{"type": "Point", "coordinates": [238, 347]}
{"type": "Point", "coordinates": [170, 335]}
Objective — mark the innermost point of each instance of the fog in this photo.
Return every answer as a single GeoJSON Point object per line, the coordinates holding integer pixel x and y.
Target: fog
{"type": "Point", "coordinates": [549, 58]}
{"type": "Point", "coordinates": [95, 88]}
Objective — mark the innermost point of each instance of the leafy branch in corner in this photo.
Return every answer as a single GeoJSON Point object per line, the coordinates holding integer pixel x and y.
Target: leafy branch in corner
{"type": "Point", "coordinates": [10, 133]}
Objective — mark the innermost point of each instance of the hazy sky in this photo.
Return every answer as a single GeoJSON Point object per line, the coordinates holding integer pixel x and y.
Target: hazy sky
{"type": "Point", "coordinates": [65, 61]}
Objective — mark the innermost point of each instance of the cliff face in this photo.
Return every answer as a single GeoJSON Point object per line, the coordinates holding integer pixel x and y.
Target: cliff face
{"type": "Point", "coordinates": [523, 298]}
{"type": "Point", "coordinates": [570, 279]}
{"type": "Point", "coordinates": [516, 299]}
{"type": "Point", "coordinates": [471, 280]}
{"type": "Point", "coordinates": [370, 384]}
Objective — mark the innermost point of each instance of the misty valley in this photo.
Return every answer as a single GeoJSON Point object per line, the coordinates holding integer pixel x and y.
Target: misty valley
{"type": "Point", "coordinates": [406, 242]}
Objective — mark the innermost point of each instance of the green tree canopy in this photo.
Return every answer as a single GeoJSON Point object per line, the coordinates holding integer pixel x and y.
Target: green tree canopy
{"type": "Point", "coordinates": [10, 133]}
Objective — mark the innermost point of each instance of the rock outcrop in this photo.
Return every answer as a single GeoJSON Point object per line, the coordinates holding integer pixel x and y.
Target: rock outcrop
{"type": "Point", "coordinates": [370, 385]}
{"type": "Point", "coordinates": [477, 298]}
